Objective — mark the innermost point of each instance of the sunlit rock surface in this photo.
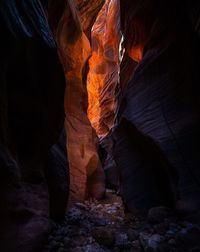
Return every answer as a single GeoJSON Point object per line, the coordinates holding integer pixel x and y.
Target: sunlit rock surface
{"type": "Point", "coordinates": [88, 11]}
{"type": "Point", "coordinates": [103, 73]}
{"type": "Point", "coordinates": [82, 142]}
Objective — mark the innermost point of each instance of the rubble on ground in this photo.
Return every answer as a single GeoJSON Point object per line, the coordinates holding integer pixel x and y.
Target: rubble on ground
{"type": "Point", "coordinates": [103, 227]}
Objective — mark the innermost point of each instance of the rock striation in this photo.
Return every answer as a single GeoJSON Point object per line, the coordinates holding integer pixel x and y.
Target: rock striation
{"type": "Point", "coordinates": [31, 119]}
{"type": "Point", "coordinates": [103, 76]}
{"type": "Point", "coordinates": [158, 123]}
{"type": "Point", "coordinates": [70, 30]}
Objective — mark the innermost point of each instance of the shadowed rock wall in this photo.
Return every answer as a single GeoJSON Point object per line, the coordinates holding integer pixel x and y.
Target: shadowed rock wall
{"type": "Point", "coordinates": [161, 102]}
{"type": "Point", "coordinates": [31, 118]}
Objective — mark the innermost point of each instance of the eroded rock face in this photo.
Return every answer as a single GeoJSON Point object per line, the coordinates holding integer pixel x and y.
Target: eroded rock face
{"type": "Point", "coordinates": [127, 68]}
{"type": "Point", "coordinates": [193, 9]}
{"type": "Point", "coordinates": [57, 174]}
{"type": "Point", "coordinates": [160, 103]}
{"type": "Point", "coordinates": [31, 117]}
{"type": "Point", "coordinates": [82, 142]}
{"type": "Point", "coordinates": [103, 76]}
{"type": "Point", "coordinates": [88, 11]}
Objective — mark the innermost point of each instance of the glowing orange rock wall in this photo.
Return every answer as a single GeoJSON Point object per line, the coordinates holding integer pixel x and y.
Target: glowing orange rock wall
{"type": "Point", "coordinates": [82, 141]}
{"type": "Point", "coordinates": [88, 11]}
{"type": "Point", "coordinates": [103, 76]}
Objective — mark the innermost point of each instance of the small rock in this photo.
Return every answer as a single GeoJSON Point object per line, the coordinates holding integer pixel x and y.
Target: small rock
{"type": "Point", "coordinates": [54, 225]}
{"type": "Point", "coordinates": [172, 242]}
{"type": "Point", "coordinates": [185, 224]}
{"type": "Point", "coordinates": [99, 221]}
{"type": "Point", "coordinates": [122, 241]}
{"type": "Point", "coordinates": [61, 245]}
{"type": "Point", "coordinates": [161, 228]}
{"type": "Point", "coordinates": [190, 226]}
{"type": "Point", "coordinates": [50, 238]}
{"type": "Point", "coordinates": [77, 249]}
{"type": "Point", "coordinates": [61, 250]}
{"type": "Point", "coordinates": [191, 238]}
{"type": "Point", "coordinates": [132, 235]}
{"type": "Point", "coordinates": [66, 241]}
{"type": "Point", "coordinates": [135, 246]}
{"type": "Point", "coordinates": [104, 236]}
{"type": "Point", "coordinates": [58, 238]}
{"type": "Point", "coordinates": [183, 232]}
{"type": "Point", "coordinates": [116, 249]}
{"type": "Point", "coordinates": [74, 215]}
{"type": "Point", "coordinates": [53, 243]}
{"type": "Point", "coordinates": [173, 225]}
{"type": "Point", "coordinates": [81, 206]}
{"type": "Point", "coordinates": [58, 232]}
{"type": "Point", "coordinates": [158, 214]}
{"type": "Point", "coordinates": [90, 240]}
{"type": "Point", "coordinates": [164, 247]}
{"type": "Point", "coordinates": [195, 249]}
{"type": "Point", "coordinates": [170, 232]}
{"type": "Point", "coordinates": [90, 248]}
{"type": "Point", "coordinates": [154, 241]}
{"type": "Point", "coordinates": [144, 237]}
{"type": "Point", "coordinates": [136, 243]}
{"type": "Point", "coordinates": [82, 241]}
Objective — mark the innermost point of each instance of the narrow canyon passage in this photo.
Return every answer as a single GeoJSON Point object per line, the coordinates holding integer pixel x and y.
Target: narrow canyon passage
{"type": "Point", "coordinates": [99, 126]}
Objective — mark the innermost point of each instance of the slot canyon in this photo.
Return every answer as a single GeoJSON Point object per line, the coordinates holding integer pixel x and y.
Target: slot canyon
{"type": "Point", "coordinates": [99, 126]}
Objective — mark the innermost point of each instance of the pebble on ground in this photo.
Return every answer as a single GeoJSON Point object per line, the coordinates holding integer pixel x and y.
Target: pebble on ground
{"type": "Point", "coordinates": [102, 226]}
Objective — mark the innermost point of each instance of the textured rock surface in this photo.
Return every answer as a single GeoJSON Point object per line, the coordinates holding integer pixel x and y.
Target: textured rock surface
{"type": "Point", "coordinates": [161, 103]}
{"type": "Point", "coordinates": [88, 10]}
{"type": "Point", "coordinates": [127, 67]}
{"type": "Point", "coordinates": [57, 174]}
{"type": "Point", "coordinates": [103, 76]}
{"type": "Point", "coordinates": [158, 214]}
{"type": "Point", "coordinates": [193, 10]}
{"type": "Point", "coordinates": [102, 226]}
{"type": "Point", "coordinates": [144, 181]}
{"type": "Point", "coordinates": [31, 118]}
{"type": "Point", "coordinates": [82, 142]}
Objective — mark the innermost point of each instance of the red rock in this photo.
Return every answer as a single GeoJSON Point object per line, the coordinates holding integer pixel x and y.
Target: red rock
{"type": "Point", "coordinates": [103, 75]}
{"type": "Point", "coordinates": [82, 143]}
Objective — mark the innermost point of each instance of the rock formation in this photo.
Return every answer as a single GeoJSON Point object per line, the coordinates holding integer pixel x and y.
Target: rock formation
{"type": "Point", "coordinates": [31, 118]}
{"type": "Point", "coordinates": [88, 11]}
{"type": "Point", "coordinates": [82, 143]}
{"type": "Point", "coordinates": [103, 76]}
{"type": "Point", "coordinates": [159, 106]}
{"type": "Point", "coordinates": [57, 174]}
{"type": "Point", "coordinates": [193, 10]}
{"type": "Point", "coordinates": [70, 103]}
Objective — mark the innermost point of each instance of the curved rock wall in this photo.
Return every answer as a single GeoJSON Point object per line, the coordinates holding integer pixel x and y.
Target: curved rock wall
{"type": "Point", "coordinates": [82, 143]}
{"type": "Point", "coordinates": [103, 76]}
{"type": "Point", "coordinates": [31, 117]}
{"type": "Point", "coordinates": [88, 11]}
{"type": "Point", "coordinates": [159, 112]}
